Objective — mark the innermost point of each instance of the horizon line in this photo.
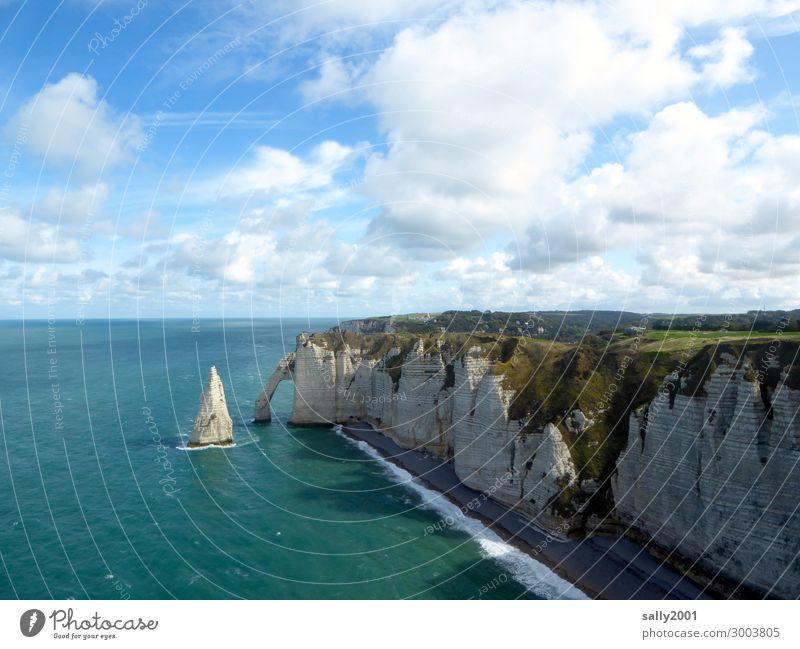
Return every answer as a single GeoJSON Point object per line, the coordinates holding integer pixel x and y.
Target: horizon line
{"type": "Point", "coordinates": [344, 318]}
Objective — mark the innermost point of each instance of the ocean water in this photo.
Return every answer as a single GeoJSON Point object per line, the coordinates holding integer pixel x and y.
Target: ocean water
{"type": "Point", "coordinates": [98, 499]}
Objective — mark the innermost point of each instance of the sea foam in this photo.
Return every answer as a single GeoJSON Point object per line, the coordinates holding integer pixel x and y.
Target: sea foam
{"type": "Point", "coordinates": [192, 449]}
{"type": "Point", "coordinates": [533, 575]}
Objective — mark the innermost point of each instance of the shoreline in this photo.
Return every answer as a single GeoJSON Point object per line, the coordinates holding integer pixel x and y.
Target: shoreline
{"type": "Point", "coordinates": [602, 567]}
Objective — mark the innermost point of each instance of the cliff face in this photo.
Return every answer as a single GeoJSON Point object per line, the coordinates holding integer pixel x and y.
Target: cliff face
{"type": "Point", "coordinates": [283, 371]}
{"type": "Point", "coordinates": [716, 478]}
{"type": "Point", "coordinates": [368, 326]}
{"type": "Point", "coordinates": [434, 399]}
{"type": "Point", "coordinates": [708, 468]}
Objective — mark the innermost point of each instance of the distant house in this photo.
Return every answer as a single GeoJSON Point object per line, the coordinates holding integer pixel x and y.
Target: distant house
{"type": "Point", "coordinates": [633, 331]}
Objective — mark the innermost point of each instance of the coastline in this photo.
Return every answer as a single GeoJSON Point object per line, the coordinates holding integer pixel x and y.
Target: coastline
{"type": "Point", "coordinates": [602, 567]}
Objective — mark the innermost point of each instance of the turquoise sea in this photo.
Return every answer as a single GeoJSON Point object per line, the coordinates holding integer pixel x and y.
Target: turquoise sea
{"type": "Point", "coordinates": [99, 500]}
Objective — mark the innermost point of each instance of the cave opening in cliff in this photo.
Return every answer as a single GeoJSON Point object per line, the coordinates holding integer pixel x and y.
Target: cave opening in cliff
{"type": "Point", "coordinates": [282, 401]}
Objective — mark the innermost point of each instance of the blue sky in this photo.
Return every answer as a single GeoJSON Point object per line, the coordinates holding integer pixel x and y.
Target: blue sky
{"type": "Point", "coordinates": [300, 158]}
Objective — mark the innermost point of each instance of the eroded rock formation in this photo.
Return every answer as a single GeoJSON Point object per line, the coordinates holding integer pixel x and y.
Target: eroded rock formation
{"type": "Point", "coordinates": [715, 478]}
{"type": "Point", "coordinates": [709, 469]}
{"type": "Point", "coordinates": [283, 371]}
{"type": "Point", "coordinates": [429, 399]}
{"type": "Point", "coordinates": [213, 424]}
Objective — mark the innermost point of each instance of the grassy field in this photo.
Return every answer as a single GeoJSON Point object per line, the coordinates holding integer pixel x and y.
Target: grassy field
{"type": "Point", "coordinates": [674, 341]}
{"type": "Point", "coordinates": [720, 335]}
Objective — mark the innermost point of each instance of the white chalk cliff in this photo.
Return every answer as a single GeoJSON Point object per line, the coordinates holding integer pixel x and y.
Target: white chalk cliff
{"type": "Point", "coordinates": [713, 478]}
{"type": "Point", "coordinates": [213, 424]}
{"type": "Point", "coordinates": [283, 372]}
{"type": "Point", "coordinates": [454, 408]}
{"type": "Point", "coordinates": [716, 479]}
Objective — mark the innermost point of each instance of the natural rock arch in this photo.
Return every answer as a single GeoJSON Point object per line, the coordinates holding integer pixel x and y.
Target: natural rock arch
{"type": "Point", "coordinates": [284, 371]}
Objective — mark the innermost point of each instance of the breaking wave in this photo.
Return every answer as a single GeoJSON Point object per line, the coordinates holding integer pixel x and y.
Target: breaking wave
{"type": "Point", "coordinates": [533, 575]}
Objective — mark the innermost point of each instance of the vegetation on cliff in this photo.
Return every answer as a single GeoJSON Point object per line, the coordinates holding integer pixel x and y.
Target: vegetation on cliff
{"type": "Point", "coordinates": [574, 326]}
{"type": "Point", "coordinates": [606, 378]}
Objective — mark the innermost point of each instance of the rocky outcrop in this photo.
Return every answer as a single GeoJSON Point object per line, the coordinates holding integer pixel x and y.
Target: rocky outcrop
{"type": "Point", "coordinates": [429, 398]}
{"type": "Point", "coordinates": [367, 326]}
{"type": "Point", "coordinates": [213, 425]}
{"type": "Point", "coordinates": [283, 372]}
{"type": "Point", "coordinates": [709, 470]}
{"type": "Point", "coordinates": [715, 477]}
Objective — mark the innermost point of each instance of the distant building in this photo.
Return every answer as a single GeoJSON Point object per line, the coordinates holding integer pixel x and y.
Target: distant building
{"type": "Point", "coordinates": [633, 331]}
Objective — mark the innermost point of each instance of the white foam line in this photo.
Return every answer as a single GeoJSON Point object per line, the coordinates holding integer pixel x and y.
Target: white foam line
{"type": "Point", "coordinates": [203, 448]}
{"type": "Point", "coordinates": [533, 575]}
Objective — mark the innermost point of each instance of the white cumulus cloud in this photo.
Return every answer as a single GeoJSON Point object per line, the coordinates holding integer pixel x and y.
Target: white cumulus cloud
{"type": "Point", "coordinates": [69, 125]}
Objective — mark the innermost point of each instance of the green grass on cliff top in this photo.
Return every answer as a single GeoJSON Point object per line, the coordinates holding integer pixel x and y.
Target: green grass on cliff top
{"type": "Point", "coordinates": [719, 335]}
{"type": "Point", "coordinates": [606, 379]}
{"type": "Point", "coordinates": [680, 341]}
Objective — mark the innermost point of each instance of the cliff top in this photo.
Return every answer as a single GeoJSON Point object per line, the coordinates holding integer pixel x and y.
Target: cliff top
{"type": "Point", "coordinates": [607, 377]}
{"type": "Point", "coordinates": [572, 326]}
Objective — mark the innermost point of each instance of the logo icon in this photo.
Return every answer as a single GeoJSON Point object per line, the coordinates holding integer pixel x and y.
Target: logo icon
{"type": "Point", "coordinates": [31, 622]}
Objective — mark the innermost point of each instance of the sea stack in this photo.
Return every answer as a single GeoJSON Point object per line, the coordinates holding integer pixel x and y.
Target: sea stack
{"type": "Point", "coordinates": [213, 424]}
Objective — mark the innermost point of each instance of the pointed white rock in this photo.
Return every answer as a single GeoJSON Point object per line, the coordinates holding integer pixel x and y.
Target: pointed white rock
{"type": "Point", "coordinates": [213, 424]}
